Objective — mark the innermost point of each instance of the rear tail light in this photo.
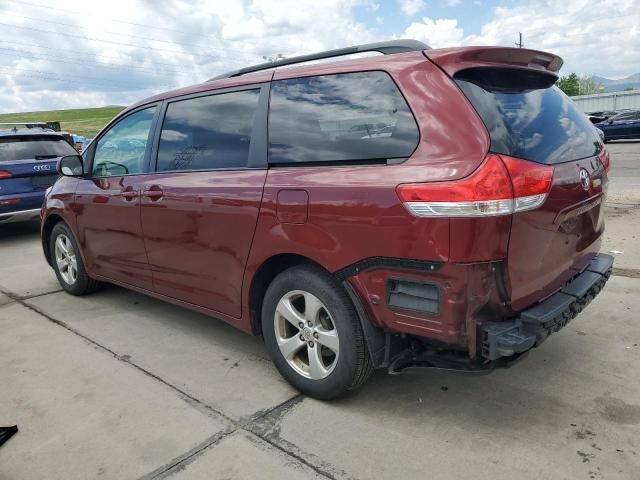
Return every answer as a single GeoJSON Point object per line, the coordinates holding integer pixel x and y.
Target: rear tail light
{"type": "Point", "coordinates": [605, 160]}
{"type": "Point", "coordinates": [500, 186]}
{"type": "Point", "coordinates": [5, 174]}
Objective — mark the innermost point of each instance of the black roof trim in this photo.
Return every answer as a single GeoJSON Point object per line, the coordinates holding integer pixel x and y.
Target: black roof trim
{"type": "Point", "coordinates": [27, 124]}
{"type": "Point", "coordinates": [387, 48]}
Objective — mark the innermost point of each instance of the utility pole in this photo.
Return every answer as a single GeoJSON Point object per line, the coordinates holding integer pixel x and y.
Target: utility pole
{"type": "Point", "coordinates": [520, 44]}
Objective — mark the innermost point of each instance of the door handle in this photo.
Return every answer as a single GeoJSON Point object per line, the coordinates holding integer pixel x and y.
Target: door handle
{"type": "Point", "coordinates": [153, 193]}
{"type": "Point", "coordinates": [129, 194]}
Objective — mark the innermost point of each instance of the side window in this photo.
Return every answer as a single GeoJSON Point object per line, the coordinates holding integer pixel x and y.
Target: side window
{"type": "Point", "coordinates": [121, 150]}
{"type": "Point", "coordinates": [206, 133]}
{"type": "Point", "coordinates": [343, 117]}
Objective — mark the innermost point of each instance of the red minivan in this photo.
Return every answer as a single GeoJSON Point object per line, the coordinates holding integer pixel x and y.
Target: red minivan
{"type": "Point", "coordinates": [436, 208]}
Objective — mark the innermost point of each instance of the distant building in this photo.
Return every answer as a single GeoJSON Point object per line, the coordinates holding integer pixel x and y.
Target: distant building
{"type": "Point", "coordinates": [607, 101]}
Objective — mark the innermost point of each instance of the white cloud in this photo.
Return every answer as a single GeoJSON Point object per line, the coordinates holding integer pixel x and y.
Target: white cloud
{"type": "Point", "coordinates": [593, 37]}
{"type": "Point", "coordinates": [453, 3]}
{"type": "Point", "coordinates": [74, 53]}
{"type": "Point", "coordinates": [50, 57]}
{"type": "Point", "coordinates": [411, 7]}
{"type": "Point", "coordinates": [441, 32]}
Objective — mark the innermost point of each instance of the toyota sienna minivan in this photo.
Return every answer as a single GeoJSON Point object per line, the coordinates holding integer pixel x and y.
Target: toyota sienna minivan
{"type": "Point", "coordinates": [437, 208]}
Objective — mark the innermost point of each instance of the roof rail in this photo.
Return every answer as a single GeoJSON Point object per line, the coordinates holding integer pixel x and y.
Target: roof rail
{"type": "Point", "coordinates": [386, 48]}
{"type": "Point", "coordinates": [27, 124]}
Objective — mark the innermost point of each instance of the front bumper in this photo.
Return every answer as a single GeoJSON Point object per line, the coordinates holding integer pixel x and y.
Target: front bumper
{"type": "Point", "coordinates": [535, 324]}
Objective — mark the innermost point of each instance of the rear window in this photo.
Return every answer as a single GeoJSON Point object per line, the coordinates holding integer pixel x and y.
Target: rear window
{"type": "Point", "coordinates": [339, 118]}
{"type": "Point", "coordinates": [529, 118]}
{"type": "Point", "coordinates": [29, 148]}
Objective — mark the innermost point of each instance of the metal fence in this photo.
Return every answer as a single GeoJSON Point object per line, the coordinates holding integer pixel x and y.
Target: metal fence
{"type": "Point", "coordinates": [608, 101]}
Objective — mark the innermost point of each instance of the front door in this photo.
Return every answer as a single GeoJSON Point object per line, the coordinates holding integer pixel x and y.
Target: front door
{"type": "Point", "coordinates": [107, 202]}
{"type": "Point", "coordinates": [630, 128]}
{"type": "Point", "coordinates": [200, 209]}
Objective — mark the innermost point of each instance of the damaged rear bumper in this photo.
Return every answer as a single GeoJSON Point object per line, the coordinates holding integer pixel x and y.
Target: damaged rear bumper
{"type": "Point", "coordinates": [535, 324]}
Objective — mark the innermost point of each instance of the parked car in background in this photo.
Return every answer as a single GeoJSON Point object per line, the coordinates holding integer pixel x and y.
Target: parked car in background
{"type": "Point", "coordinates": [28, 156]}
{"type": "Point", "coordinates": [85, 144]}
{"type": "Point", "coordinates": [623, 125]}
{"type": "Point", "coordinates": [597, 117]}
{"type": "Point", "coordinates": [68, 137]}
{"type": "Point", "coordinates": [79, 142]}
{"type": "Point", "coordinates": [436, 208]}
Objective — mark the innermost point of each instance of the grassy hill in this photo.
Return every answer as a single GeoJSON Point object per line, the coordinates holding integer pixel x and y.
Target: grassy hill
{"type": "Point", "coordinates": [84, 121]}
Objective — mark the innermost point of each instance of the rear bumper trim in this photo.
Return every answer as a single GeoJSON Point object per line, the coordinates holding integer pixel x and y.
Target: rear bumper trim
{"type": "Point", "coordinates": [538, 322]}
{"type": "Point", "coordinates": [19, 215]}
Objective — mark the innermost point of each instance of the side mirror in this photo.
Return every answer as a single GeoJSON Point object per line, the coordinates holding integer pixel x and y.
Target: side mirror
{"type": "Point", "coordinates": [70, 166]}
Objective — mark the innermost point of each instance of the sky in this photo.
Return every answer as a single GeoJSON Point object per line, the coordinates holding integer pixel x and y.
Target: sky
{"type": "Point", "coordinates": [84, 53]}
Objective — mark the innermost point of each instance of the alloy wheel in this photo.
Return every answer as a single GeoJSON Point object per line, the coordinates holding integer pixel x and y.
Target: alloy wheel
{"type": "Point", "coordinates": [306, 334]}
{"type": "Point", "coordinates": [66, 259]}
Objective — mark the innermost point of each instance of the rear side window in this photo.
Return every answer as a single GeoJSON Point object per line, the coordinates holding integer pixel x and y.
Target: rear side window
{"type": "Point", "coordinates": [528, 118]}
{"type": "Point", "coordinates": [206, 133]}
{"type": "Point", "coordinates": [339, 118]}
{"type": "Point", "coordinates": [36, 148]}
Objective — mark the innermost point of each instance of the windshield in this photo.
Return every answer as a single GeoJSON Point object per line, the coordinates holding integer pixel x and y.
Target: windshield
{"type": "Point", "coordinates": [33, 148]}
{"type": "Point", "coordinates": [538, 124]}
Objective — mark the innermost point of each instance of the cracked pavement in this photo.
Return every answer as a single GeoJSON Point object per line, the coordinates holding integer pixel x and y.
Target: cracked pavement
{"type": "Point", "coordinates": [117, 385]}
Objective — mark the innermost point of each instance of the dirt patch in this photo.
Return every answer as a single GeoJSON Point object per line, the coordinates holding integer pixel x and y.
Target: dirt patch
{"type": "Point", "coordinates": [617, 411]}
{"type": "Point", "coordinates": [626, 272]}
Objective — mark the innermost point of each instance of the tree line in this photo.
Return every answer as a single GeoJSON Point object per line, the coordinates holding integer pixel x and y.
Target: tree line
{"type": "Point", "coordinates": [574, 85]}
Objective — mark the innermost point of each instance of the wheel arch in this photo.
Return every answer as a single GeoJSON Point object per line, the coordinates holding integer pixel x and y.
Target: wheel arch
{"type": "Point", "coordinates": [263, 277]}
{"type": "Point", "coordinates": [47, 227]}
{"type": "Point", "coordinates": [375, 338]}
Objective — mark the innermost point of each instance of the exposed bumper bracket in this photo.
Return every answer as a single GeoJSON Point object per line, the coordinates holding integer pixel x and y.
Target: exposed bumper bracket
{"type": "Point", "coordinates": [538, 322]}
{"type": "Point", "coordinates": [448, 362]}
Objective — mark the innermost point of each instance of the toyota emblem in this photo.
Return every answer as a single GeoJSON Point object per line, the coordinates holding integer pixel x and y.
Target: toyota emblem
{"type": "Point", "coordinates": [585, 179]}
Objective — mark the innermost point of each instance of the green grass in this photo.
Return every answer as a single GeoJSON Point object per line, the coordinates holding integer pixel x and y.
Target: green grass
{"type": "Point", "coordinates": [84, 121]}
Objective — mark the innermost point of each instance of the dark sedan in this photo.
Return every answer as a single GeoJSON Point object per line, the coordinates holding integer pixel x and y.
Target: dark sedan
{"type": "Point", "coordinates": [597, 117]}
{"type": "Point", "coordinates": [623, 125]}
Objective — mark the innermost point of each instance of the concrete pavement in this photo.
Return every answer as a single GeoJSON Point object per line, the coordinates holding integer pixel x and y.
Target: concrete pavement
{"type": "Point", "coordinates": [119, 385]}
{"type": "Point", "coordinates": [625, 171]}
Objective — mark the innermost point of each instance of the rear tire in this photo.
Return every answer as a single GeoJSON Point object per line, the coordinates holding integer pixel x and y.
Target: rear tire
{"type": "Point", "coordinates": [313, 334]}
{"type": "Point", "coordinates": [67, 262]}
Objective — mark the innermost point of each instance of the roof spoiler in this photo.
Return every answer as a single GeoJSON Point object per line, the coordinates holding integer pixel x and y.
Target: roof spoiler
{"type": "Point", "coordinates": [454, 60]}
{"type": "Point", "coordinates": [386, 48]}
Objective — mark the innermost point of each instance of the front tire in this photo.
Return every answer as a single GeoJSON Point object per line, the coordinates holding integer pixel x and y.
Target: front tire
{"type": "Point", "coordinates": [67, 262]}
{"type": "Point", "coordinates": [313, 333]}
